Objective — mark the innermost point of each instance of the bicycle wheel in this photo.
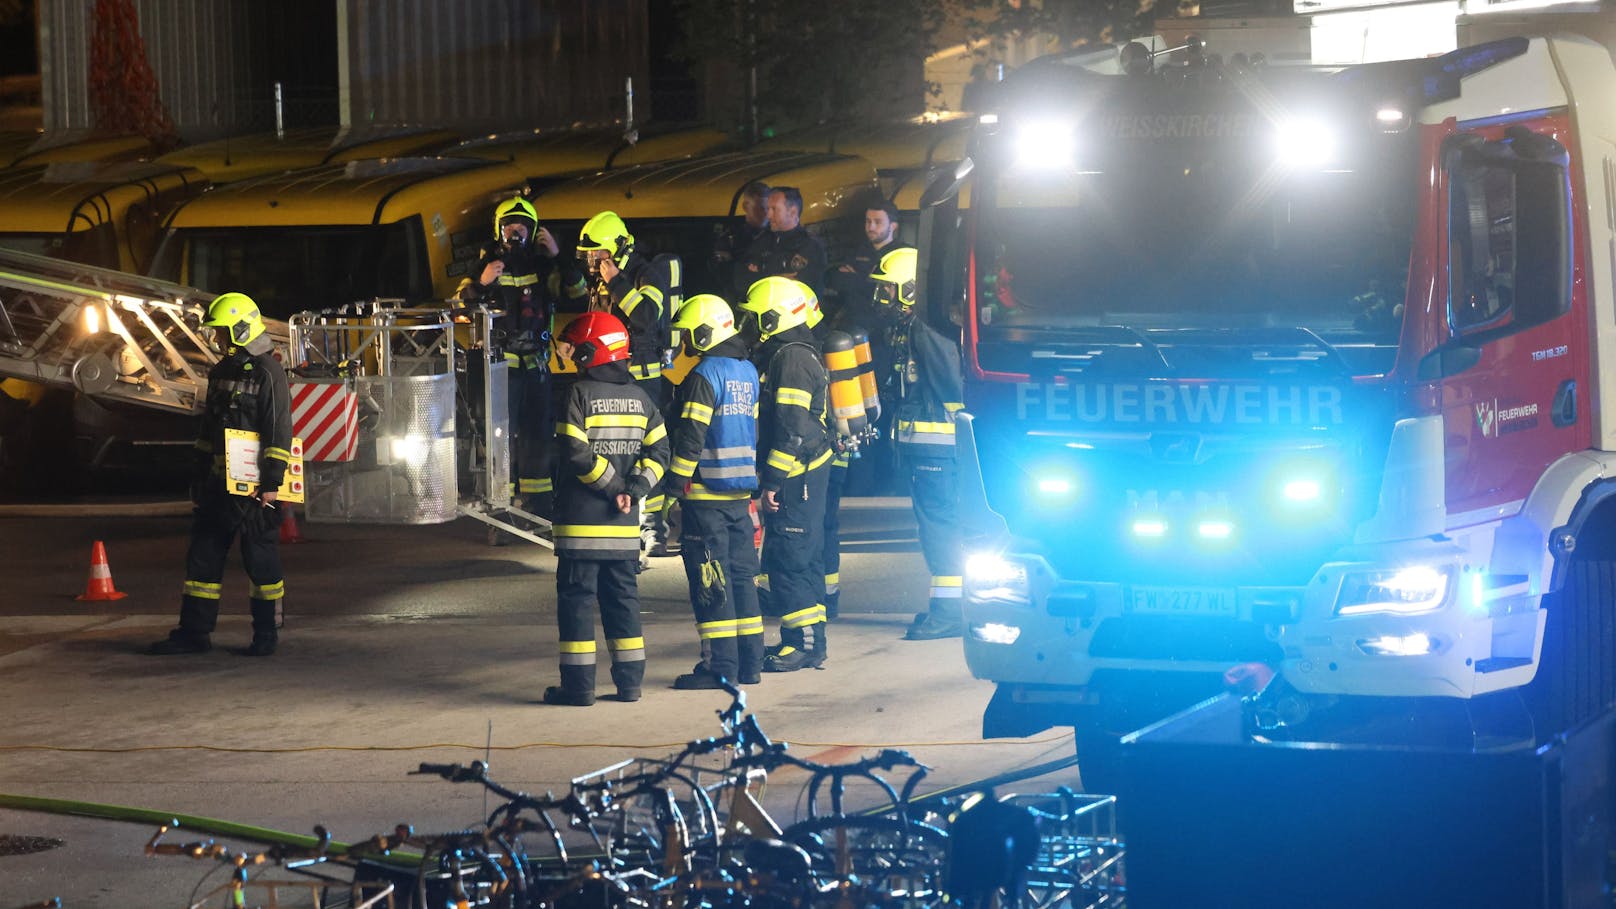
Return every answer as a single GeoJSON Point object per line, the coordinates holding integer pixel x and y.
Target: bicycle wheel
{"type": "Point", "coordinates": [904, 862]}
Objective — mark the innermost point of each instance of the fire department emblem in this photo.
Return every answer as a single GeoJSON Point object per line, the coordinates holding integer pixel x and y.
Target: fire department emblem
{"type": "Point", "coordinates": [1487, 417]}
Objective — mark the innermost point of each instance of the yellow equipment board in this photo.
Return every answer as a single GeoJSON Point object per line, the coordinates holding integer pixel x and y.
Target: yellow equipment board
{"type": "Point", "coordinates": [241, 466]}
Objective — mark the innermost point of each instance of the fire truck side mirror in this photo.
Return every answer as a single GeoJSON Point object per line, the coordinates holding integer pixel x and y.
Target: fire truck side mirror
{"type": "Point", "coordinates": [944, 185]}
{"type": "Point", "coordinates": [1448, 360]}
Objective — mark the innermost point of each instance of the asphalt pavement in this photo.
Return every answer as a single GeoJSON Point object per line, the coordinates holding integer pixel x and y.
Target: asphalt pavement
{"type": "Point", "coordinates": [402, 645]}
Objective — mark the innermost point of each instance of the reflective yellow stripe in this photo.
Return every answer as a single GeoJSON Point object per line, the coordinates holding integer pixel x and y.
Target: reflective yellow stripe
{"type": "Point", "coordinates": [683, 467]}
{"type": "Point", "coordinates": [779, 460]}
{"type": "Point", "coordinates": [615, 419]}
{"type": "Point", "coordinates": [654, 468]}
{"type": "Point", "coordinates": [947, 580]}
{"type": "Point", "coordinates": [656, 435]}
{"type": "Point", "coordinates": [953, 406]}
{"type": "Point", "coordinates": [512, 359]}
{"type": "Point", "coordinates": [753, 625]}
{"type": "Point", "coordinates": [273, 591]}
{"type": "Point", "coordinates": [567, 429]}
{"type": "Point", "coordinates": [645, 371]}
{"type": "Point", "coordinates": [724, 628]}
{"type": "Point", "coordinates": [632, 301]}
{"type": "Point", "coordinates": [654, 503]}
{"type": "Point", "coordinates": [699, 413]}
{"type": "Point", "coordinates": [279, 454]}
{"type": "Point", "coordinates": [802, 618]}
{"type": "Point", "coordinates": [631, 531]}
{"type": "Point", "coordinates": [203, 589]}
{"type": "Point", "coordinates": [787, 397]}
{"type": "Point", "coordinates": [535, 486]}
{"type": "Point", "coordinates": [518, 280]}
{"type": "Point", "coordinates": [577, 646]}
{"type": "Point", "coordinates": [601, 466]}
{"type": "Point", "coordinates": [924, 426]}
{"type": "Point", "coordinates": [626, 643]}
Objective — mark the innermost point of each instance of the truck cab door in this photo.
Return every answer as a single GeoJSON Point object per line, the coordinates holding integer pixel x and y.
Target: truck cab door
{"type": "Point", "coordinates": [1512, 374]}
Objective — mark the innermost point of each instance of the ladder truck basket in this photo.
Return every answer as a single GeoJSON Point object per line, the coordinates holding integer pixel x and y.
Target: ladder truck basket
{"type": "Point", "coordinates": [373, 397]}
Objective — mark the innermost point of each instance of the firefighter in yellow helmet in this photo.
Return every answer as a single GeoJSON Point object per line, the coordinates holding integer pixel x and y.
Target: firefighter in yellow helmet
{"type": "Point", "coordinates": [713, 431]}
{"type": "Point", "coordinates": [795, 450]}
{"type": "Point", "coordinates": [930, 389]}
{"type": "Point", "coordinates": [643, 292]}
{"type": "Point", "coordinates": [247, 390]}
{"type": "Point", "coordinates": [522, 275]}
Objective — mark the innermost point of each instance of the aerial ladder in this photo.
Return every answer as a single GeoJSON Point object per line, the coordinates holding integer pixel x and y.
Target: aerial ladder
{"type": "Point", "coordinates": [418, 393]}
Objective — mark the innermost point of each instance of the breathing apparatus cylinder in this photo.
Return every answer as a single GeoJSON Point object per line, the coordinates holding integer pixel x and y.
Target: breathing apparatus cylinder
{"type": "Point", "coordinates": [866, 375]}
{"type": "Point", "coordinates": [846, 398]}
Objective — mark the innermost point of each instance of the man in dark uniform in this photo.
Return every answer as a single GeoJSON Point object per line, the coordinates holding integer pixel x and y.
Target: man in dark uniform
{"type": "Point", "coordinates": [794, 471]}
{"type": "Point", "coordinates": [523, 276]}
{"type": "Point", "coordinates": [930, 390]}
{"type": "Point", "coordinates": [731, 241]}
{"type": "Point", "coordinates": [714, 472]}
{"type": "Point", "coordinates": [247, 390]}
{"type": "Point", "coordinates": [787, 249]}
{"type": "Point", "coordinates": [613, 450]}
{"type": "Point", "coordinates": [640, 292]}
{"type": "Point", "coordinates": [855, 291]}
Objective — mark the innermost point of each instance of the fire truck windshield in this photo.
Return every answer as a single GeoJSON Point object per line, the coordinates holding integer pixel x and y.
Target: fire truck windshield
{"type": "Point", "coordinates": [1146, 230]}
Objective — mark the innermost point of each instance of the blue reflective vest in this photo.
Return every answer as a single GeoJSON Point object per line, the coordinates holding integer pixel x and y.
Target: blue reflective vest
{"type": "Point", "coordinates": [728, 462]}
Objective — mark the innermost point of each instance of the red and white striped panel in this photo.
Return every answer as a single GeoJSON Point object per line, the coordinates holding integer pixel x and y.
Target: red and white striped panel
{"type": "Point", "coordinates": [326, 415]}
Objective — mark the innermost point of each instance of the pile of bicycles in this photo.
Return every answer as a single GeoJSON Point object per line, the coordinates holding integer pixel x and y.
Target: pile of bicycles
{"type": "Point", "coordinates": [690, 830]}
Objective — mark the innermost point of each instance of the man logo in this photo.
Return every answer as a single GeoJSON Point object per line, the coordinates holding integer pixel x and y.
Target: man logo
{"type": "Point", "coordinates": [1486, 417]}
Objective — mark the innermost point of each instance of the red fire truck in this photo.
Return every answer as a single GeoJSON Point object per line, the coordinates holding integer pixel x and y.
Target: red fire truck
{"type": "Point", "coordinates": [1290, 366]}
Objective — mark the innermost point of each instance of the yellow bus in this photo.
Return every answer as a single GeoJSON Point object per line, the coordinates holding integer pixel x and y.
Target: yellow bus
{"type": "Point", "coordinates": [406, 228]}
{"type": "Point", "coordinates": [22, 148]}
{"type": "Point", "coordinates": [96, 213]}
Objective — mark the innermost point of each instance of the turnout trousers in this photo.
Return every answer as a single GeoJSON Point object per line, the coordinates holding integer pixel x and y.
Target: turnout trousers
{"type": "Point", "coordinates": [793, 557]}
{"type": "Point", "coordinates": [730, 627]}
{"type": "Point", "coordinates": [220, 517]}
{"type": "Point", "coordinates": [532, 418]}
{"type": "Point", "coordinates": [832, 546]}
{"type": "Point", "coordinates": [934, 492]}
{"type": "Point", "coordinates": [609, 585]}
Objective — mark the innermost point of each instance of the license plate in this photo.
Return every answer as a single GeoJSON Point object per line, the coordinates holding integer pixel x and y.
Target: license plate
{"type": "Point", "coordinates": [1204, 601]}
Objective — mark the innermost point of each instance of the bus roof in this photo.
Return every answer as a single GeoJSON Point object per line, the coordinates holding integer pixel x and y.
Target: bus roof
{"type": "Point", "coordinates": [550, 152]}
{"type": "Point", "coordinates": [70, 145]}
{"type": "Point", "coordinates": [245, 157]}
{"type": "Point", "coordinates": [709, 187]}
{"type": "Point", "coordinates": [79, 195]}
{"type": "Point", "coordinates": [371, 191]}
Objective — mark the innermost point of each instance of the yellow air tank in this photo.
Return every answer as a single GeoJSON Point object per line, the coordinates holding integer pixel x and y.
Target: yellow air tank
{"type": "Point", "coordinates": [866, 375]}
{"type": "Point", "coordinates": [846, 399]}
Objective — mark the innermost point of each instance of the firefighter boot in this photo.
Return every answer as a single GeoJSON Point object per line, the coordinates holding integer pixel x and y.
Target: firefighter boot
{"type": "Point", "coordinates": [266, 620]}
{"type": "Point", "coordinates": [577, 688]}
{"type": "Point", "coordinates": [628, 675]}
{"type": "Point", "coordinates": [720, 663]}
{"type": "Point", "coordinates": [794, 652]}
{"type": "Point", "coordinates": [936, 625]}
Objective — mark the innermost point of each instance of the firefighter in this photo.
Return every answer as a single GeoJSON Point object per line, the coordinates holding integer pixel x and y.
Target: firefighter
{"type": "Point", "coordinates": [247, 390]}
{"type": "Point", "coordinates": [796, 451]}
{"type": "Point", "coordinates": [788, 249]}
{"type": "Point", "coordinates": [930, 390]}
{"type": "Point", "coordinates": [613, 450]}
{"type": "Point", "coordinates": [731, 241]}
{"type": "Point", "coordinates": [714, 473]}
{"type": "Point", "coordinates": [524, 277]}
{"type": "Point", "coordinates": [639, 291]}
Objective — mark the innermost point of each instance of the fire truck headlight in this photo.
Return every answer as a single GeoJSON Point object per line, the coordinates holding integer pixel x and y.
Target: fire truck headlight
{"type": "Point", "coordinates": [1302, 490]}
{"type": "Point", "coordinates": [1398, 591]}
{"type": "Point", "coordinates": [1045, 144]}
{"type": "Point", "coordinates": [995, 633]}
{"type": "Point", "coordinates": [991, 576]}
{"type": "Point", "coordinates": [1305, 143]}
{"type": "Point", "coordinates": [1417, 644]}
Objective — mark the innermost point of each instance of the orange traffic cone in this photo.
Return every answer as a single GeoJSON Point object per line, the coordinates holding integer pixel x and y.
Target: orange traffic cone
{"type": "Point", "coordinates": [289, 531]}
{"type": "Point", "coordinates": [100, 584]}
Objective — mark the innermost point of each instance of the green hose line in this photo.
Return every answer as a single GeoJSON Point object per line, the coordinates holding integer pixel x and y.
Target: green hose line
{"type": "Point", "coordinates": [210, 826]}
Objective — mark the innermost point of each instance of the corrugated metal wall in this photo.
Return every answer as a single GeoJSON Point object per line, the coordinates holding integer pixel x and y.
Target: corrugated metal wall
{"type": "Point", "coordinates": [472, 64]}
{"type": "Point", "coordinates": [494, 62]}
